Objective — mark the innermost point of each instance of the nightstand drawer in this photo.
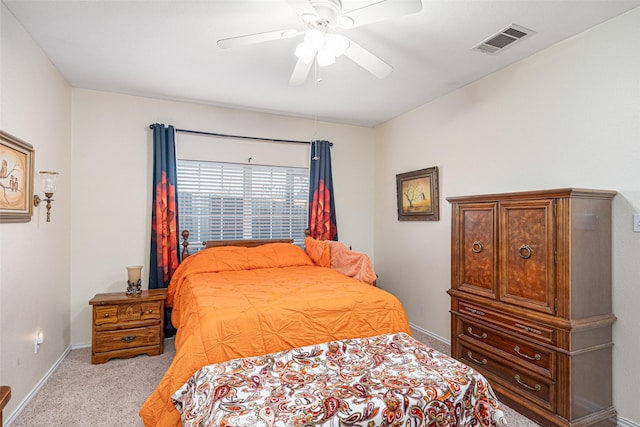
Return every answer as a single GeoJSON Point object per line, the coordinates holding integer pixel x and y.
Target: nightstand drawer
{"type": "Point", "coordinates": [105, 315]}
{"type": "Point", "coordinates": [128, 338]}
{"type": "Point", "coordinates": [151, 310]}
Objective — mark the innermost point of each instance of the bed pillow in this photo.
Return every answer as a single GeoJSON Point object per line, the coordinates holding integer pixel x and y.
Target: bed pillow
{"type": "Point", "coordinates": [319, 251]}
{"type": "Point", "coordinates": [234, 258]}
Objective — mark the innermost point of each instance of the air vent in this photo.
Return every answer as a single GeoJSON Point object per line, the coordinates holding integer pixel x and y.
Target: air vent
{"type": "Point", "coordinates": [505, 38]}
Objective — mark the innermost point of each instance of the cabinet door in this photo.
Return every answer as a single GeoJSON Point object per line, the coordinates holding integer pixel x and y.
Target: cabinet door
{"type": "Point", "coordinates": [527, 253]}
{"type": "Point", "coordinates": [474, 255]}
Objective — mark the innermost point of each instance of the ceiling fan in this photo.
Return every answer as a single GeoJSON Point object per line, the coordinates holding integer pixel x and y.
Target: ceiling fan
{"type": "Point", "coordinates": [321, 45]}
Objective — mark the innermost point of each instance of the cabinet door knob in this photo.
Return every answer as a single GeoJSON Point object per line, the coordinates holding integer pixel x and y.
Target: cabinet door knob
{"type": "Point", "coordinates": [476, 247]}
{"type": "Point", "coordinates": [525, 251]}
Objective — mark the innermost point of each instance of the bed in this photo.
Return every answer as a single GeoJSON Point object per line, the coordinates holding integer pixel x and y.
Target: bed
{"type": "Point", "coordinates": [386, 380]}
{"type": "Point", "coordinates": [234, 302]}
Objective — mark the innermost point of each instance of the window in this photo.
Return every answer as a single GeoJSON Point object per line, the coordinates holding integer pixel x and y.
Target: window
{"type": "Point", "coordinates": [228, 201]}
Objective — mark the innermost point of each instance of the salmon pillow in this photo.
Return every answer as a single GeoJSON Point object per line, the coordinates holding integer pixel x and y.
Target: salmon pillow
{"type": "Point", "coordinates": [318, 251]}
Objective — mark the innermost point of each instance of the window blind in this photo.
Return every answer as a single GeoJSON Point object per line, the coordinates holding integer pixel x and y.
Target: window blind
{"type": "Point", "coordinates": [229, 201]}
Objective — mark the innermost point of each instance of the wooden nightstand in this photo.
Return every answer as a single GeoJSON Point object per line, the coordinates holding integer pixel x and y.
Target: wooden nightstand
{"type": "Point", "coordinates": [127, 325]}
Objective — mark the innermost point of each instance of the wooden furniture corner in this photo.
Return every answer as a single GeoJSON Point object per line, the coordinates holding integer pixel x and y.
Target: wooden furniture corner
{"type": "Point", "coordinates": [5, 396]}
{"type": "Point", "coordinates": [125, 325]}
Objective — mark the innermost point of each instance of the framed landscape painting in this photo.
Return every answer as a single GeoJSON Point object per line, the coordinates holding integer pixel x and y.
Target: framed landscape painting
{"type": "Point", "coordinates": [417, 194]}
{"type": "Point", "coordinates": [16, 179]}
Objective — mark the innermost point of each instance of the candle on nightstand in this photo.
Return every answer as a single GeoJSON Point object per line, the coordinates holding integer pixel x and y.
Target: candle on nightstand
{"type": "Point", "coordinates": [134, 272]}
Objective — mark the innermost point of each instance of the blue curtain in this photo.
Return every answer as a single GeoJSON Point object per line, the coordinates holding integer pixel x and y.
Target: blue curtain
{"type": "Point", "coordinates": [322, 210]}
{"type": "Point", "coordinates": [164, 210]}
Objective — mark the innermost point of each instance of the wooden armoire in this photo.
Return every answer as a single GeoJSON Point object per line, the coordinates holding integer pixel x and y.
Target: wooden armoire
{"type": "Point", "coordinates": [531, 300]}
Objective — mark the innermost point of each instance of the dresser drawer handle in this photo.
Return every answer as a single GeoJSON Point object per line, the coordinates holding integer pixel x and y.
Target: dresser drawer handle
{"type": "Point", "coordinates": [525, 251]}
{"type": "Point", "coordinates": [149, 311]}
{"type": "Point", "coordinates": [526, 356]}
{"type": "Point", "coordinates": [528, 329]}
{"type": "Point", "coordinates": [536, 388]}
{"type": "Point", "coordinates": [476, 247]}
{"type": "Point", "coordinates": [481, 362]}
{"type": "Point", "coordinates": [128, 338]}
{"type": "Point", "coordinates": [106, 315]}
{"type": "Point", "coordinates": [474, 311]}
{"type": "Point", "coordinates": [470, 331]}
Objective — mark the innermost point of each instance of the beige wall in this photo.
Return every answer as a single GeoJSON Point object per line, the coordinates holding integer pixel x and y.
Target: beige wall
{"type": "Point", "coordinates": [570, 116]}
{"type": "Point", "coordinates": [35, 106]}
{"type": "Point", "coordinates": [566, 117]}
{"type": "Point", "coordinates": [111, 195]}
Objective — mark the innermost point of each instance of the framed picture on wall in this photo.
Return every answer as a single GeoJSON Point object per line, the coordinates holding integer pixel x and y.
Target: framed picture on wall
{"type": "Point", "coordinates": [417, 194]}
{"type": "Point", "coordinates": [16, 179]}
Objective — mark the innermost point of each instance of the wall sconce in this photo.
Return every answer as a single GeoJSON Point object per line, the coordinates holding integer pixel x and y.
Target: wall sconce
{"type": "Point", "coordinates": [48, 188]}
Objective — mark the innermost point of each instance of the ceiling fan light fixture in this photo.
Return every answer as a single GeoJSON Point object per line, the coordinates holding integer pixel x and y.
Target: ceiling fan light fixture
{"type": "Point", "coordinates": [336, 44]}
{"type": "Point", "coordinates": [305, 53]}
{"type": "Point", "coordinates": [315, 39]}
{"type": "Point", "coordinates": [325, 57]}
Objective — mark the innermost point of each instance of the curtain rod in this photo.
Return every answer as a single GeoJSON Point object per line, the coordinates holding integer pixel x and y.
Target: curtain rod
{"type": "Point", "coordinates": [253, 138]}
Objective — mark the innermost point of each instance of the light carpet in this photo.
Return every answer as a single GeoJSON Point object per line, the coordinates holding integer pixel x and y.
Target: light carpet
{"type": "Point", "coordinates": [79, 394]}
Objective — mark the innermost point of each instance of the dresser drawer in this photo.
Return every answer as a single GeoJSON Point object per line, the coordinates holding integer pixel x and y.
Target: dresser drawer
{"type": "Point", "coordinates": [531, 356]}
{"type": "Point", "coordinates": [534, 388]}
{"type": "Point", "coordinates": [126, 338]}
{"type": "Point", "coordinates": [534, 330]}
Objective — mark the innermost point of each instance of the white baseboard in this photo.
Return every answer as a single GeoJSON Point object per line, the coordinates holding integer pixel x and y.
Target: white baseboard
{"type": "Point", "coordinates": [623, 422]}
{"type": "Point", "coordinates": [78, 346]}
{"type": "Point", "coordinates": [431, 334]}
{"type": "Point", "coordinates": [36, 389]}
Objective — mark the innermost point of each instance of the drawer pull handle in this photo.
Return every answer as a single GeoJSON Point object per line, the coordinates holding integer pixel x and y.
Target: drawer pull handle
{"type": "Point", "coordinates": [525, 251]}
{"type": "Point", "coordinates": [476, 247]}
{"type": "Point", "coordinates": [128, 338]}
{"type": "Point", "coordinates": [526, 356]}
{"type": "Point", "coordinates": [470, 331]}
{"type": "Point", "coordinates": [528, 329]}
{"type": "Point", "coordinates": [536, 388]}
{"type": "Point", "coordinates": [481, 362]}
{"type": "Point", "coordinates": [474, 311]}
{"type": "Point", "coordinates": [150, 311]}
{"type": "Point", "coordinates": [106, 315]}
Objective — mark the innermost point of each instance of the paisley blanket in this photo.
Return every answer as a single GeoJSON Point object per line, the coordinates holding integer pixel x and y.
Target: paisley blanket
{"type": "Point", "coordinates": [386, 380]}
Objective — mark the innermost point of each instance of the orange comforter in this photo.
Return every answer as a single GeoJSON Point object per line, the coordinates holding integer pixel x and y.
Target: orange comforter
{"type": "Point", "coordinates": [233, 302]}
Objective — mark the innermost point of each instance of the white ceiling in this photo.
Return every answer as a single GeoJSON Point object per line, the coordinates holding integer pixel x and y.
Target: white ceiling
{"type": "Point", "coordinates": [167, 49]}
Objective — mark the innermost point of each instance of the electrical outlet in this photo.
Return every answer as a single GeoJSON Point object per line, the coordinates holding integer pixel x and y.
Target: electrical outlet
{"type": "Point", "coordinates": [39, 340]}
{"type": "Point", "coordinates": [636, 223]}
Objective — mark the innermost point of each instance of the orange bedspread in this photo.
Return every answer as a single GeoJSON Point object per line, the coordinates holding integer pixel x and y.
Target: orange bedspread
{"type": "Point", "coordinates": [236, 302]}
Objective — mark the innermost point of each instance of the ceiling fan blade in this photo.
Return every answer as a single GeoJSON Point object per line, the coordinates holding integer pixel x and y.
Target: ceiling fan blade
{"type": "Point", "coordinates": [302, 7]}
{"type": "Point", "coordinates": [300, 73]}
{"type": "Point", "coordinates": [367, 60]}
{"type": "Point", "coordinates": [257, 38]}
{"type": "Point", "coordinates": [382, 10]}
